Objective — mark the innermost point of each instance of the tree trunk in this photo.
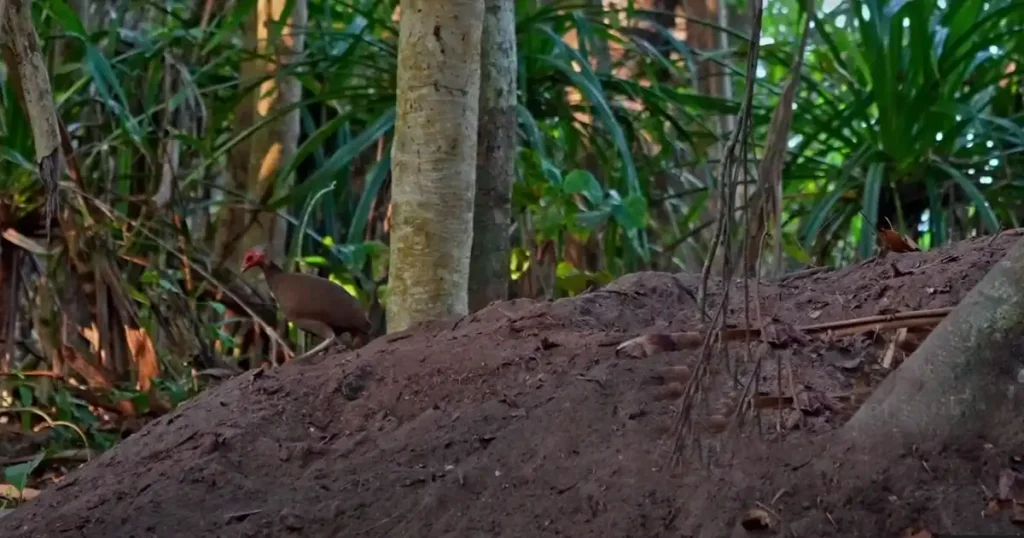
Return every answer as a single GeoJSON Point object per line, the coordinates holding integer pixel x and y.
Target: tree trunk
{"type": "Point", "coordinates": [434, 160]}
{"type": "Point", "coordinates": [495, 156]}
{"type": "Point", "coordinates": [255, 163]}
{"type": "Point", "coordinates": [963, 377]}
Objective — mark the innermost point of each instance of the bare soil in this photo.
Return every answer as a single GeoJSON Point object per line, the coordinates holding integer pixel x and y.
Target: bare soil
{"type": "Point", "coordinates": [521, 421]}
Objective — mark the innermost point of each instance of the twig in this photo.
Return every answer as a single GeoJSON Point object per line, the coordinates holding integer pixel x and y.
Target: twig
{"type": "Point", "coordinates": [692, 339]}
{"type": "Point", "coordinates": [803, 273]}
{"type": "Point", "coordinates": [109, 211]}
{"type": "Point", "coordinates": [727, 174]}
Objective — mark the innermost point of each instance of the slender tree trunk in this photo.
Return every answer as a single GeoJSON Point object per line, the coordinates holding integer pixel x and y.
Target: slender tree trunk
{"type": "Point", "coordinates": [965, 378]}
{"type": "Point", "coordinates": [254, 164]}
{"type": "Point", "coordinates": [495, 156]}
{"type": "Point", "coordinates": [434, 160]}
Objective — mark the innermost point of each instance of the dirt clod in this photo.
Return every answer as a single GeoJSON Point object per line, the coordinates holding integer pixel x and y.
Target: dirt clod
{"type": "Point", "coordinates": [521, 421]}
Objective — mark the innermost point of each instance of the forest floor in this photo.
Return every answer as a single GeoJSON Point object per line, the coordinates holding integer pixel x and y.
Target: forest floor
{"type": "Point", "coordinates": [521, 420]}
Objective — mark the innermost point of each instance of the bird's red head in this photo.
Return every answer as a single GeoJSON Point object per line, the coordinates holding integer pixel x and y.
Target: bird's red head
{"type": "Point", "coordinates": [255, 256]}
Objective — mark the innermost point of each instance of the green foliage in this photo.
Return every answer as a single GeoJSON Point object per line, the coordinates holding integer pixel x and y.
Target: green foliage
{"type": "Point", "coordinates": [912, 106]}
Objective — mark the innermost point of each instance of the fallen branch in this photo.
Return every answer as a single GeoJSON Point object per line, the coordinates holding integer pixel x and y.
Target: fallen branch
{"type": "Point", "coordinates": [649, 344]}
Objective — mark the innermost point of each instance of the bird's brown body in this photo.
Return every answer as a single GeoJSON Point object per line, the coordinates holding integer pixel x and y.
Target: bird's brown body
{"type": "Point", "coordinates": [312, 303]}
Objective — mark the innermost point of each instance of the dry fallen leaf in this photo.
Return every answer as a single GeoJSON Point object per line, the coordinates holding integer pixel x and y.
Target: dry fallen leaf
{"type": "Point", "coordinates": [757, 519]}
{"type": "Point", "coordinates": [11, 492]}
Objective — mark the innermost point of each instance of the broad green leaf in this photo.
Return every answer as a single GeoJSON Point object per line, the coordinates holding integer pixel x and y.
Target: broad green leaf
{"type": "Point", "coordinates": [583, 182]}
{"type": "Point", "coordinates": [632, 212]}
{"type": "Point", "coordinates": [869, 206]}
{"type": "Point", "coordinates": [988, 217]}
{"type": "Point", "coordinates": [18, 475]}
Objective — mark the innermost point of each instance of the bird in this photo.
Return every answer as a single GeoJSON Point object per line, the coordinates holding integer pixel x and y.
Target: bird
{"type": "Point", "coordinates": [894, 241]}
{"type": "Point", "coordinates": [314, 304]}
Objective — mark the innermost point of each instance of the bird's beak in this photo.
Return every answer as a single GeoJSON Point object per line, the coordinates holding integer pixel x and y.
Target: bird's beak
{"type": "Point", "coordinates": [246, 265]}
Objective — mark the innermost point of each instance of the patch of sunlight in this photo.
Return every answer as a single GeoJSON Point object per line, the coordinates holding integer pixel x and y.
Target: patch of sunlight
{"type": "Point", "coordinates": [841, 21]}
{"type": "Point", "coordinates": [938, 137]}
{"type": "Point", "coordinates": [985, 180]}
{"type": "Point", "coordinates": [924, 241]}
{"type": "Point", "coordinates": [993, 162]}
{"type": "Point", "coordinates": [349, 285]}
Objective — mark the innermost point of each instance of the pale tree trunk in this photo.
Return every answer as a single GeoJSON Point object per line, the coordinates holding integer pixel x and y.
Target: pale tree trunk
{"type": "Point", "coordinates": [253, 164]}
{"type": "Point", "coordinates": [966, 378]}
{"type": "Point", "coordinates": [434, 160]}
{"type": "Point", "coordinates": [495, 156]}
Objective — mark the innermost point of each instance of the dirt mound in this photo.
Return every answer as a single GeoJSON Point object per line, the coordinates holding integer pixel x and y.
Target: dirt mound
{"type": "Point", "coordinates": [521, 421]}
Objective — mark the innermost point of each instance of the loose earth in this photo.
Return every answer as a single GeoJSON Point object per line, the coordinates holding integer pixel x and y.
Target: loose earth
{"type": "Point", "coordinates": [521, 420]}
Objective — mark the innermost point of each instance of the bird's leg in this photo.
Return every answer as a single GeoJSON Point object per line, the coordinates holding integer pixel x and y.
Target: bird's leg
{"type": "Point", "coordinates": [318, 348]}
{"type": "Point", "coordinates": [320, 329]}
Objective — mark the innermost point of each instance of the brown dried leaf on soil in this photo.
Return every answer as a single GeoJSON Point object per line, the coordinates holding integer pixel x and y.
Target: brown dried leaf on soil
{"type": "Point", "coordinates": [922, 533]}
{"type": "Point", "coordinates": [758, 519]}
{"type": "Point", "coordinates": [9, 491]}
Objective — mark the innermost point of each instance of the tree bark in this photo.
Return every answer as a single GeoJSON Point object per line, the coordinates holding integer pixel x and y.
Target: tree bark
{"type": "Point", "coordinates": [963, 377]}
{"type": "Point", "coordinates": [495, 156]}
{"type": "Point", "coordinates": [434, 160]}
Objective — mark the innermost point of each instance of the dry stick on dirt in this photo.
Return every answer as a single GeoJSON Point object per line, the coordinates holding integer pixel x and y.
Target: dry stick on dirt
{"type": "Point", "coordinates": [682, 429]}
{"type": "Point", "coordinates": [964, 379]}
{"type": "Point", "coordinates": [649, 344]}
